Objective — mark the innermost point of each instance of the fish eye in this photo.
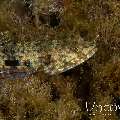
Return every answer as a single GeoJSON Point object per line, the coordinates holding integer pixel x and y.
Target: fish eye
{"type": "Point", "coordinates": [27, 63]}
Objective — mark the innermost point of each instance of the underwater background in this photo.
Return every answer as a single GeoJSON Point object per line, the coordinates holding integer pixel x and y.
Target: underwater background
{"type": "Point", "coordinates": [89, 91]}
